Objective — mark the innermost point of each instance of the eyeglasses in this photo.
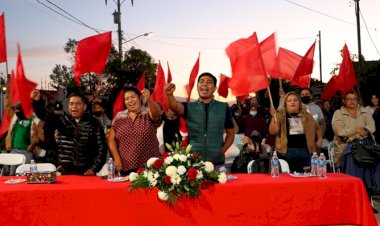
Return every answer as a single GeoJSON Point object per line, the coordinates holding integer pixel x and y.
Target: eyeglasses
{"type": "Point", "coordinates": [351, 99]}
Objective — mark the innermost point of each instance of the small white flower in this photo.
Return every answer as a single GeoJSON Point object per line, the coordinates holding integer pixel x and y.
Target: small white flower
{"type": "Point", "coordinates": [152, 182]}
{"type": "Point", "coordinates": [145, 173]}
{"type": "Point", "coordinates": [168, 160]}
{"type": "Point", "coordinates": [183, 158]}
{"type": "Point", "coordinates": [188, 163]}
{"type": "Point", "coordinates": [171, 171]}
{"type": "Point", "coordinates": [176, 156]}
{"type": "Point", "coordinates": [150, 176]}
{"type": "Point", "coordinates": [150, 161]}
{"type": "Point", "coordinates": [133, 176]}
{"type": "Point", "coordinates": [156, 175]}
{"type": "Point", "coordinates": [209, 166]}
{"type": "Point", "coordinates": [176, 179]}
{"type": "Point", "coordinates": [200, 174]}
{"type": "Point", "coordinates": [181, 170]}
{"type": "Point", "coordinates": [222, 178]}
{"type": "Point", "coordinates": [163, 195]}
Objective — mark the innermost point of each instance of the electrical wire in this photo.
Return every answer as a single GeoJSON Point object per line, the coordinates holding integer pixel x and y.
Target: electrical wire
{"type": "Point", "coordinates": [369, 34]}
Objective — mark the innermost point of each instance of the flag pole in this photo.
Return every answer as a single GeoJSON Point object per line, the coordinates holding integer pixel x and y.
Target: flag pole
{"type": "Point", "coordinates": [270, 98]}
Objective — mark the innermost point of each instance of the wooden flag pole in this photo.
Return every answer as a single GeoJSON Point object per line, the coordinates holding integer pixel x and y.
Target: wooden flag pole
{"type": "Point", "coordinates": [270, 99]}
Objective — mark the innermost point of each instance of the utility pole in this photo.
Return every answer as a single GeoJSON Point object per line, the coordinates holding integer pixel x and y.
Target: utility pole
{"type": "Point", "coordinates": [320, 58]}
{"type": "Point", "coordinates": [357, 13]}
{"type": "Point", "coordinates": [117, 20]}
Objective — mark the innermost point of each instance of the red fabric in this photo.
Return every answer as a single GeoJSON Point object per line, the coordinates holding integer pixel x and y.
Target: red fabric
{"type": "Point", "coordinates": [24, 86]}
{"type": "Point", "coordinates": [223, 86]}
{"type": "Point", "coordinates": [141, 83]}
{"type": "Point", "coordinates": [3, 42]}
{"type": "Point", "coordinates": [183, 131]}
{"type": "Point", "coordinates": [248, 71]}
{"type": "Point", "coordinates": [330, 90]}
{"type": "Point", "coordinates": [193, 76]}
{"type": "Point", "coordinates": [14, 90]}
{"type": "Point", "coordinates": [301, 77]}
{"type": "Point", "coordinates": [347, 76]}
{"type": "Point", "coordinates": [159, 94]}
{"type": "Point", "coordinates": [242, 98]}
{"type": "Point", "coordinates": [92, 54]}
{"type": "Point", "coordinates": [5, 123]}
{"type": "Point", "coordinates": [286, 65]}
{"type": "Point", "coordinates": [268, 53]}
{"type": "Point", "coordinates": [118, 105]}
{"type": "Point", "coordinates": [169, 80]}
{"type": "Point", "coordinates": [249, 200]}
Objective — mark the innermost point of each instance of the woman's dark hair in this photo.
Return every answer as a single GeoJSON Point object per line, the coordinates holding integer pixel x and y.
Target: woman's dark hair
{"type": "Point", "coordinates": [132, 89]}
{"type": "Point", "coordinates": [373, 94]}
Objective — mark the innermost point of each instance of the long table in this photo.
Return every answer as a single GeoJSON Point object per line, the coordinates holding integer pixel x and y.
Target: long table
{"type": "Point", "coordinates": [254, 199]}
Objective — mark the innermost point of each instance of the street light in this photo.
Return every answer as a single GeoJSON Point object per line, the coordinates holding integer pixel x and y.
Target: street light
{"type": "Point", "coordinates": [145, 34]}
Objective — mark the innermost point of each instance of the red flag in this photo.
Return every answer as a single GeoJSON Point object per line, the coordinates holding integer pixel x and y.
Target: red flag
{"type": "Point", "coordinates": [92, 54]}
{"type": "Point", "coordinates": [13, 89]}
{"type": "Point", "coordinates": [286, 65]}
{"type": "Point", "coordinates": [159, 94]}
{"type": "Point", "coordinates": [268, 53]}
{"type": "Point", "coordinates": [330, 90]}
{"type": "Point", "coordinates": [3, 43]}
{"type": "Point", "coordinates": [248, 71]}
{"type": "Point", "coordinates": [141, 83]}
{"type": "Point", "coordinates": [118, 105]}
{"type": "Point", "coordinates": [193, 76]}
{"type": "Point", "coordinates": [347, 76]}
{"type": "Point", "coordinates": [5, 123]}
{"type": "Point", "coordinates": [223, 86]}
{"type": "Point", "coordinates": [25, 87]}
{"type": "Point", "coordinates": [302, 75]}
{"type": "Point", "coordinates": [169, 75]}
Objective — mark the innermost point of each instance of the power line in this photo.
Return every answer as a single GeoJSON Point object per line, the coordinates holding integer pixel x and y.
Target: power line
{"type": "Point", "coordinates": [369, 34]}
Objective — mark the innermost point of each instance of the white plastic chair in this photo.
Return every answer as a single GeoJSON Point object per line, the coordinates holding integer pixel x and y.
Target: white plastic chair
{"type": "Point", "coordinates": [330, 151]}
{"type": "Point", "coordinates": [284, 166]}
{"type": "Point", "coordinates": [249, 166]}
{"type": "Point", "coordinates": [41, 167]}
{"type": "Point", "coordinates": [11, 160]}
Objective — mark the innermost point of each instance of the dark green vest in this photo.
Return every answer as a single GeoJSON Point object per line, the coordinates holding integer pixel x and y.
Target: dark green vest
{"type": "Point", "coordinates": [207, 140]}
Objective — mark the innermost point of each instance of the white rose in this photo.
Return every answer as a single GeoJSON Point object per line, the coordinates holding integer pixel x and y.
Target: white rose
{"type": "Point", "coordinates": [171, 171]}
{"type": "Point", "coordinates": [176, 156]}
{"type": "Point", "coordinates": [163, 195]}
{"type": "Point", "coordinates": [133, 176]}
{"type": "Point", "coordinates": [168, 160]}
{"type": "Point", "coordinates": [183, 158]}
{"type": "Point", "coordinates": [222, 178]}
{"type": "Point", "coordinates": [150, 161]}
{"type": "Point", "coordinates": [200, 174]}
{"type": "Point", "coordinates": [156, 175]}
{"type": "Point", "coordinates": [181, 170]}
{"type": "Point", "coordinates": [176, 179]}
{"type": "Point", "coordinates": [209, 166]}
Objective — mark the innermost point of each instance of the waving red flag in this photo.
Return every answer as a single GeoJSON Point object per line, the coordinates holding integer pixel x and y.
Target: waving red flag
{"type": "Point", "coordinates": [193, 76]}
{"type": "Point", "coordinates": [13, 89]}
{"type": "Point", "coordinates": [287, 64]}
{"type": "Point", "coordinates": [268, 53]}
{"type": "Point", "coordinates": [248, 71]}
{"type": "Point", "coordinates": [159, 94]}
{"type": "Point", "coordinates": [5, 122]}
{"type": "Point", "coordinates": [141, 84]}
{"type": "Point", "coordinates": [3, 43]}
{"type": "Point", "coordinates": [25, 87]}
{"type": "Point", "coordinates": [223, 86]}
{"type": "Point", "coordinates": [347, 76]}
{"type": "Point", "coordinates": [92, 54]}
{"type": "Point", "coordinates": [169, 75]}
{"type": "Point", "coordinates": [302, 75]}
{"type": "Point", "coordinates": [118, 105]}
{"type": "Point", "coordinates": [330, 90]}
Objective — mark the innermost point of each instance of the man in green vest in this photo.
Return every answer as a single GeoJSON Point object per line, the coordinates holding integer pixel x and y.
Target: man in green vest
{"type": "Point", "coordinates": [207, 119]}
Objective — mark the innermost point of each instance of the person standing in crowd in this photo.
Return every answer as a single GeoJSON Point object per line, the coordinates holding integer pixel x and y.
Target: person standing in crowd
{"type": "Point", "coordinates": [206, 120]}
{"type": "Point", "coordinates": [253, 121]}
{"type": "Point", "coordinates": [313, 109]}
{"type": "Point", "coordinates": [298, 135]}
{"type": "Point", "coordinates": [171, 128]}
{"type": "Point", "coordinates": [132, 139]}
{"type": "Point", "coordinates": [328, 113]}
{"type": "Point", "coordinates": [81, 143]}
{"type": "Point", "coordinates": [99, 111]}
{"type": "Point", "coordinates": [373, 105]}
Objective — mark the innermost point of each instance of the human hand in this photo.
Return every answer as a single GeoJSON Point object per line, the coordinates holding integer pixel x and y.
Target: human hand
{"type": "Point", "coordinates": [35, 95]}
{"type": "Point", "coordinates": [170, 88]}
{"type": "Point", "coordinates": [145, 93]}
{"type": "Point", "coordinates": [272, 110]}
{"type": "Point", "coordinates": [89, 172]}
{"type": "Point", "coordinates": [246, 140]}
{"type": "Point", "coordinates": [118, 165]}
{"type": "Point", "coordinates": [361, 131]}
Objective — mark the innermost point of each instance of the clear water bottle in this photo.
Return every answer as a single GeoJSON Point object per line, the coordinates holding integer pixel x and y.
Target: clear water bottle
{"type": "Point", "coordinates": [111, 169]}
{"type": "Point", "coordinates": [33, 166]}
{"type": "Point", "coordinates": [274, 169]}
{"type": "Point", "coordinates": [322, 171]}
{"type": "Point", "coordinates": [314, 164]}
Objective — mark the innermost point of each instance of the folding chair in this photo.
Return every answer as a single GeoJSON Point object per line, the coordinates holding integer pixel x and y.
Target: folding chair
{"type": "Point", "coordinates": [284, 166]}
{"type": "Point", "coordinates": [330, 151]}
{"type": "Point", "coordinates": [41, 167]}
{"type": "Point", "coordinates": [11, 160]}
{"type": "Point", "coordinates": [249, 166]}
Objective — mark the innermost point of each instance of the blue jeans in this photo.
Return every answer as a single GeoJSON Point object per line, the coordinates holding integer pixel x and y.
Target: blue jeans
{"type": "Point", "coordinates": [297, 158]}
{"type": "Point", "coordinates": [28, 155]}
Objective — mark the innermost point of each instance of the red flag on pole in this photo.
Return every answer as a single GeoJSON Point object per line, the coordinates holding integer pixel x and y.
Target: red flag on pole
{"type": "Point", "coordinates": [3, 43]}
{"type": "Point", "coordinates": [141, 84]}
{"type": "Point", "coordinates": [286, 65]}
{"type": "Point", "coordinates": [92, 54]}
{"type": "Point", "coordinates": [5, 123]}
{"type": "Point", "coordinates": [223, 86]}
{"type": "Point", "coordinates": [159, 94]}
{"type": "Point", "coordinates": [193, 76]}
{"type": "Point", "coordinates": [13, 89]}
{"type": "Point", "coordinates": [25, 86]}
{"type": "Point", "coordinates": [248, 71]}
{"type": "Point", "coordinates": [347, 76]}
{"type": "Point", "coordinates": [330, 90]}
{"type": "Point", "coordinates": [118, 105]}
{"type": "Point", "coordinates": [302, 75]}
{"type": "Point", "coordinates": [268, 53]}
{"type": "Point", "coordinates": [169, 75]}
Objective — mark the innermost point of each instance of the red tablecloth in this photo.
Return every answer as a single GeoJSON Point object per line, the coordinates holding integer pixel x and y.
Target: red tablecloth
{"type": "Point", "coordinates": [249, 200]}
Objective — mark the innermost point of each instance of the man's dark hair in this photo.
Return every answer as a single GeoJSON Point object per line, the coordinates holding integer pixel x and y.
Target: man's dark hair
{"type": "Point", "coordinates": [209, 75]}
{"type": "Point", "coordinates": [311, 92]}
{"type": "Point", "coordinates": [132, 89]}
{"type": "Point", "coordinates": [80, 95]}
